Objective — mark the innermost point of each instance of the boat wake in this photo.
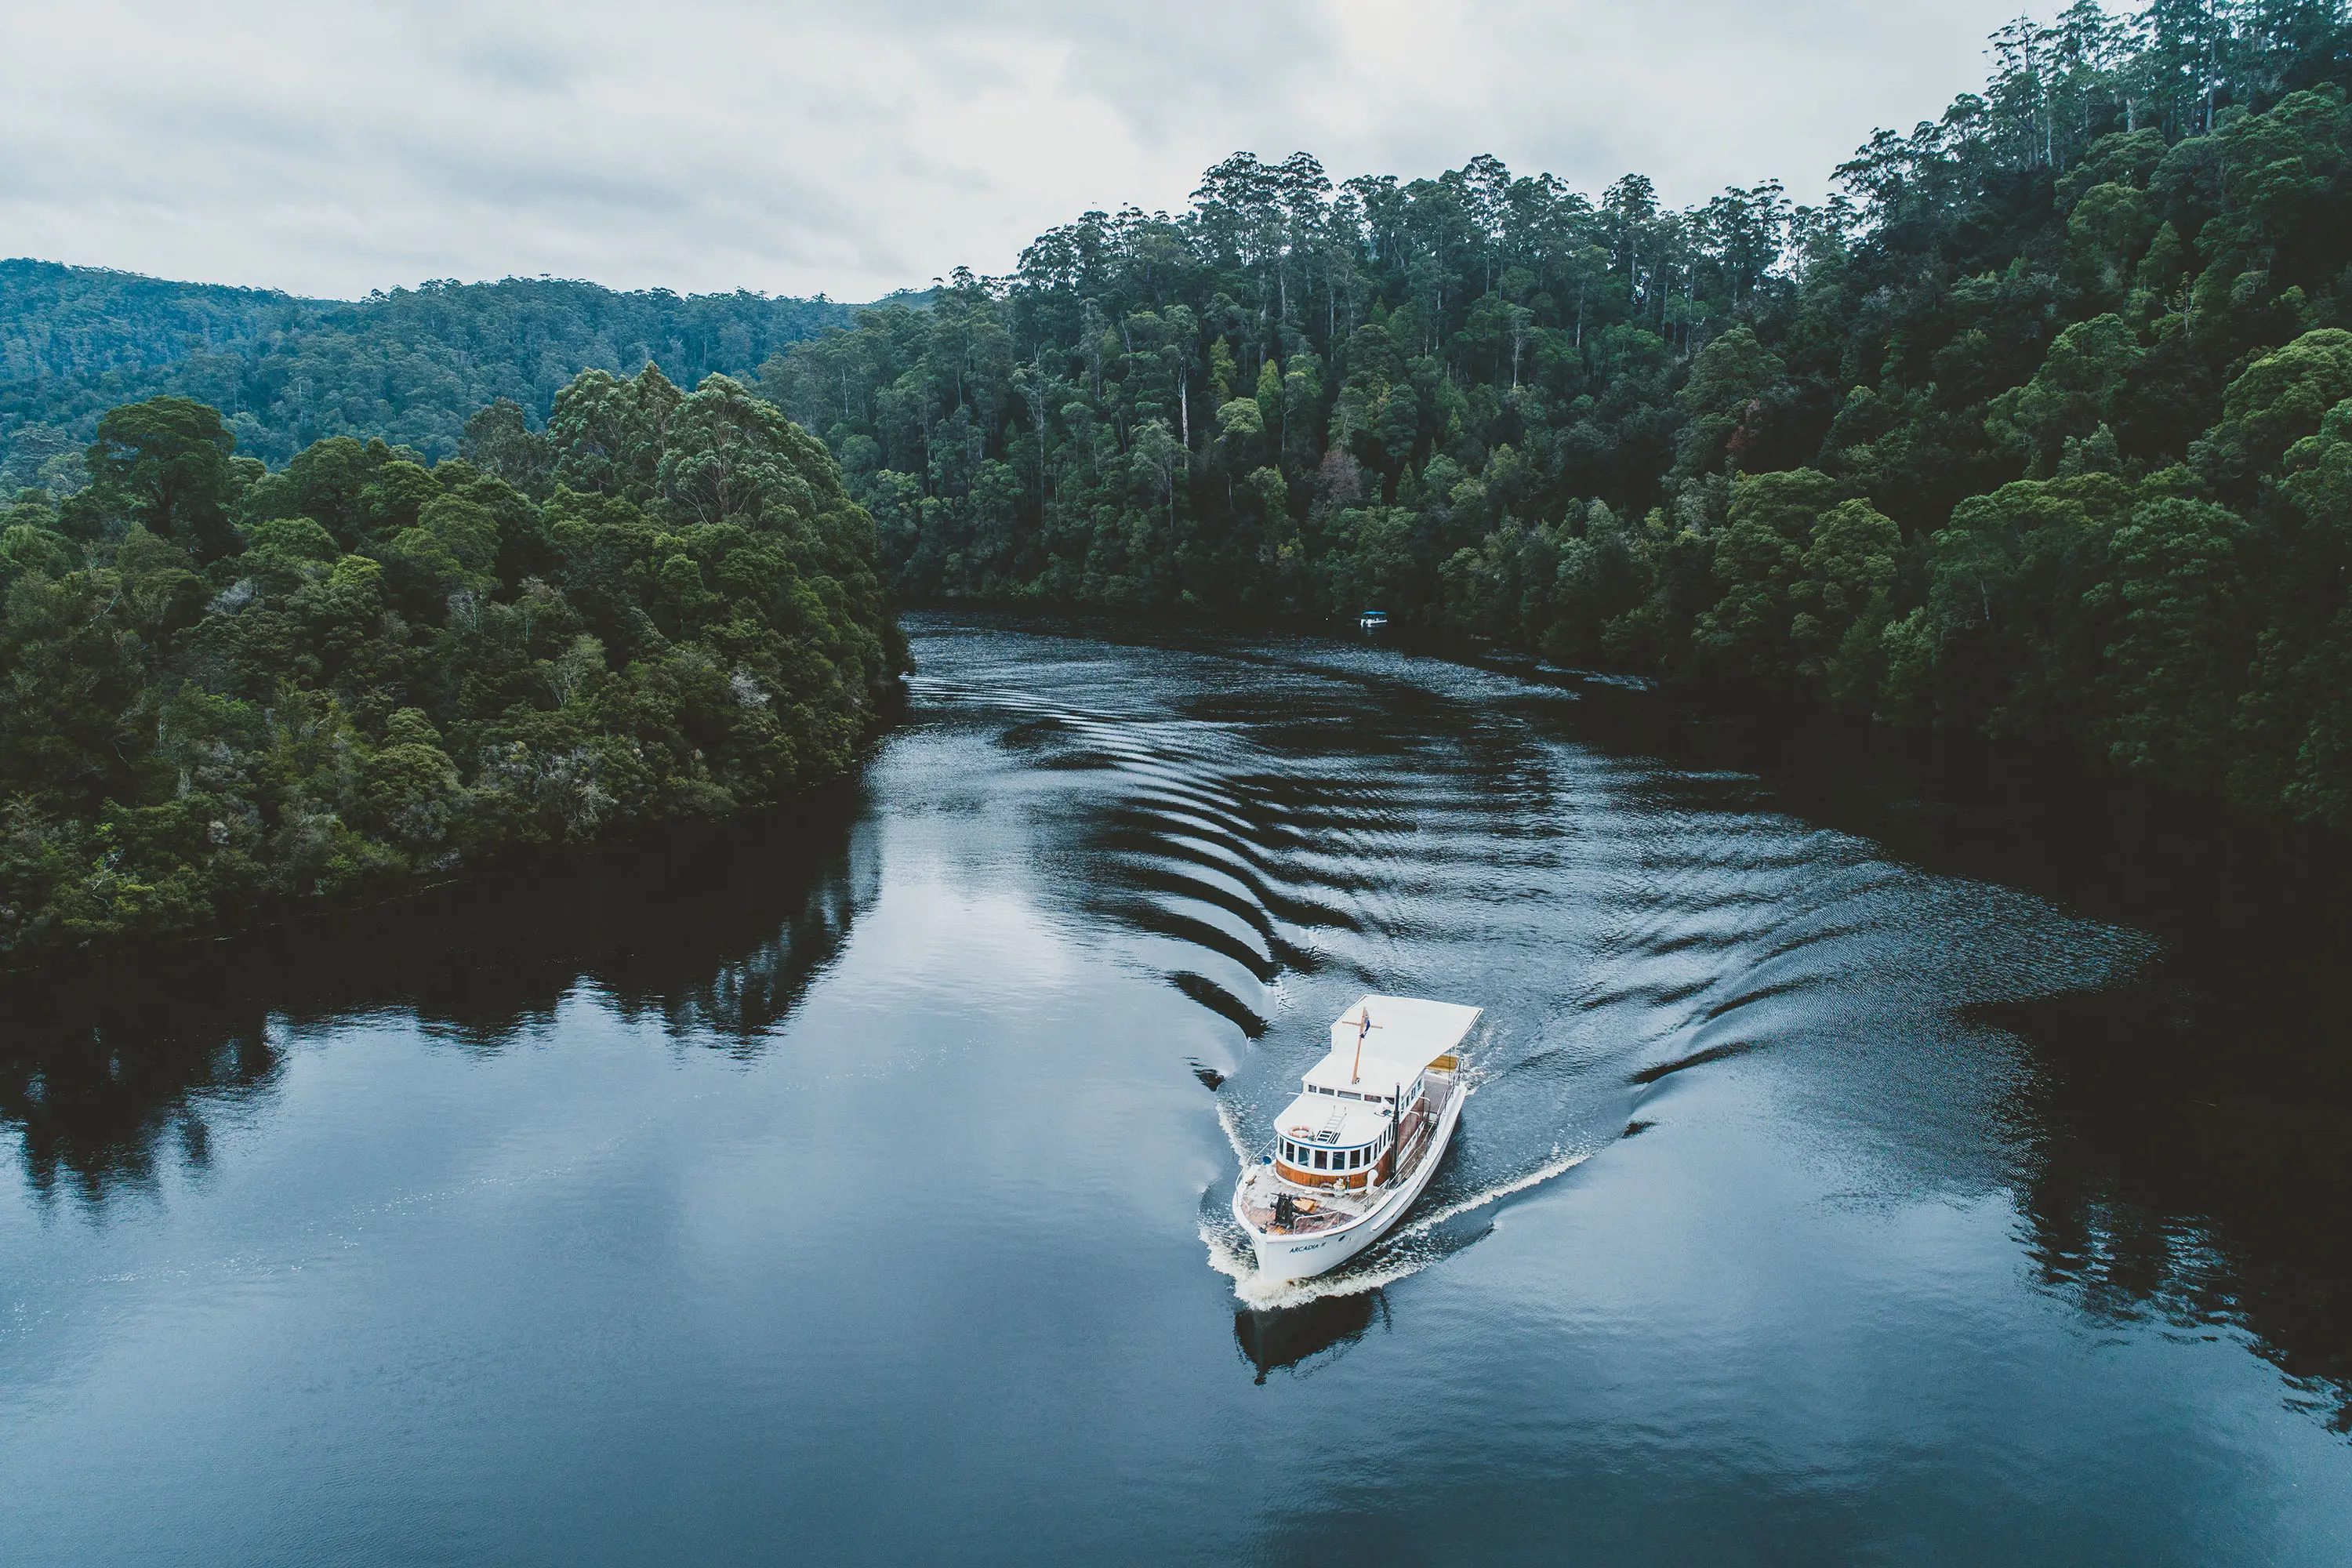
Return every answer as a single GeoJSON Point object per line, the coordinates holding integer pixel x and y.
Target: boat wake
{"type": "Point", "coordinates": [1423, 1238]}
{"type": "Point", "coordinates": [1274, 834]}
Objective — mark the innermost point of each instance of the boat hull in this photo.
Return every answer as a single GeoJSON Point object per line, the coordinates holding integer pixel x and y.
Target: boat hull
{"type": "Point", "coordinates": [1290, 1257]}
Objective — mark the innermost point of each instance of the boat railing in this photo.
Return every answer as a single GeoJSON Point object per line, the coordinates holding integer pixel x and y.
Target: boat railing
{"type": "Point", "coordinates": [1418, 1125]}
{"type": "Point", "coordinates": [1413, 1143]}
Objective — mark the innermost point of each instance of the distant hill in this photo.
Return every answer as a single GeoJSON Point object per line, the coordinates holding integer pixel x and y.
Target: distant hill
{"type": "Point", "coordinates": [410, 366]}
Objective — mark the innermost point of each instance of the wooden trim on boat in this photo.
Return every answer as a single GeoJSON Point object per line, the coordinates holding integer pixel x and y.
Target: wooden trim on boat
{"type": "Point", "coordinates": [1292, 1173]}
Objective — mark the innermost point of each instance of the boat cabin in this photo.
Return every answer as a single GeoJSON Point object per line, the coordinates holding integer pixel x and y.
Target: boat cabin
{"type": "Point", "coordinates": [1324, 1140]}
{"type": "Point", "coordinates": [1343, 1128]}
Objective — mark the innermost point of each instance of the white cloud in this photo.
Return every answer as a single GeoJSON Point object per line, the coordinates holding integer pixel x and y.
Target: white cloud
{"type": "Point", "coordinates": [795, 147]}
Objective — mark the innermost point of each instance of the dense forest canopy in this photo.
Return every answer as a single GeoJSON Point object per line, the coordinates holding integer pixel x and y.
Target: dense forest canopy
{"type": "Point", "coordinates": [226, 690]}
{"type": "Point", "coordinates": [407, 367]}
{"type": "Point", "coordinates": [2041, 426]}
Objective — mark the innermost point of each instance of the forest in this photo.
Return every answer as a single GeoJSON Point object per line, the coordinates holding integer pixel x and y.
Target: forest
{"type": "Point", "coordinates": [229, 690]}
{"type": "Point", "coordinates": [408, 367]}
{"type": "Point", "coordinates": [2039, 427]}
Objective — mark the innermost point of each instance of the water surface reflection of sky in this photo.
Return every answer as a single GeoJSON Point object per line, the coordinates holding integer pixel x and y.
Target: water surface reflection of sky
{"type": "Point", "coordinates": [853, 1177]}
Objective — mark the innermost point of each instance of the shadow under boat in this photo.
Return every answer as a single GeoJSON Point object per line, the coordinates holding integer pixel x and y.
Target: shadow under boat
{"type": "Point", "coordinates": [1275, 1338]}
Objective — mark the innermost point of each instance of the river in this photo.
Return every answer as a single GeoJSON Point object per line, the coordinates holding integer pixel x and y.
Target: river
{"type": "Point", "coordinates": [1852, 1173]}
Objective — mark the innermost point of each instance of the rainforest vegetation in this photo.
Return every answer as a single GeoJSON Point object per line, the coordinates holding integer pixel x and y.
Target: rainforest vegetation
{"type": "Point", "coordinates": [408, 367]}
{"type": "Point", "coordinates": [226, 690]}
{"type": "Point", "coordinates": [2040, 427]}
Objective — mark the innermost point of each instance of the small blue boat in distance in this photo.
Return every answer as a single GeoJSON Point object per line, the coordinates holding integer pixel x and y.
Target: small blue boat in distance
{"type": "Point", "coordinates": [1373, 620]}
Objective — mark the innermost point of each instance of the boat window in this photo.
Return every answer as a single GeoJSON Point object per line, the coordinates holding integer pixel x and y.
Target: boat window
{"type": "Point", "coordinates": [1287, 1152]}
{"type": "Point", "coordinates": [1355, 1158]}
{"type": "Point", "coordinates": [1322, 1161]}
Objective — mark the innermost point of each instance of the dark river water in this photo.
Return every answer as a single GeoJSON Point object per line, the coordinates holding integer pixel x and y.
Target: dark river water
{"type": "Point", "coordinates": [1855, 1171]}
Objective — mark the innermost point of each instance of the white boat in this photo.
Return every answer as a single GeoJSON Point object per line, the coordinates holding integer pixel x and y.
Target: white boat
{"type": "Point", "coordinates": [1347, 1162]}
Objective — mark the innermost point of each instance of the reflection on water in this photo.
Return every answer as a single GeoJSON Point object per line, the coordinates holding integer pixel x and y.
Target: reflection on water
{"type": "Point", "coordinates": [96, 1098]}
{"type": "Point", "coordinates": [1331, 822]}
{"type": "Point", "coordinates": [2187, 1161]}
{"type": "Point", "coordinates": [717, 933]}
{"type": "Point", "coordinates": [1868, 1155]}
{"type": "Point", "coordinates": [1284, 1339]}
{"type": "Point", "coordinates": [2162, 1190]}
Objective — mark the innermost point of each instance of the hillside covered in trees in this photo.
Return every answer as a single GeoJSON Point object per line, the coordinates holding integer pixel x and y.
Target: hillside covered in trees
{"type": "Point", "coordinates": [226, 690]}
{"type": "Point", "coordinates": [2040, 428]}
{"type": "Point", "coordinates": [407, 367]}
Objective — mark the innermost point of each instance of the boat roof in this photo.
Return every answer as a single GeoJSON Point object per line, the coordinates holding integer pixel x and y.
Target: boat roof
{"type": "Point", "coordinates": [1322, 1119]}
{"type": "Point", "coordinates": [1406, 1036]}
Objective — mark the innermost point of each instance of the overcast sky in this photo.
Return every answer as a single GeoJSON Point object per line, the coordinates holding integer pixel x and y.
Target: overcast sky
{"type": "Point", "coordinates": [853, 148]}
